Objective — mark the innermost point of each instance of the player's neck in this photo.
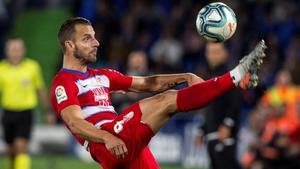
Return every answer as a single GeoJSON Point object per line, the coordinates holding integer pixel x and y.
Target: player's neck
{"type": "Point", "coordinates": [74, 64]}
{"type": "Point", "coordinates": [15, 62]}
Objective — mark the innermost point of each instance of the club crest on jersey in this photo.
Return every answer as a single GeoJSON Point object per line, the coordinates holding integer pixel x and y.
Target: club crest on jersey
{"type": "Point", "coordinates": [60, 94]}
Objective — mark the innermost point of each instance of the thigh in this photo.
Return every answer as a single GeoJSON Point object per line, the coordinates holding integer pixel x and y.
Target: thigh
{"type": "Point", "coordinates": [132, 131]}
{"type": "Point", "coordinates": [158, 109]}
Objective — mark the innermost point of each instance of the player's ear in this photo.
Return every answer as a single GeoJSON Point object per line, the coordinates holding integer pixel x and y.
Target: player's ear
{"type": "Point", "coordinates": [69, 44]}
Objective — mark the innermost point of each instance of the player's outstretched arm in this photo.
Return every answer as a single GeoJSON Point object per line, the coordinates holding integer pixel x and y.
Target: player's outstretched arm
{"type": "Point", "coordinates": [73, 118]}
{"type": "Point", "coordinates": [159, 83]}
{"type": "Point", "coordinates": [43, 97]}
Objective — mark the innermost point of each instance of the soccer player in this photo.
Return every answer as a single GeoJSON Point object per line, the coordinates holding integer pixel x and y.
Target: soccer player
{"type": "Point", "coordinates": [21, 84]}
{"type": "Point", "coordinates": [80, 96]}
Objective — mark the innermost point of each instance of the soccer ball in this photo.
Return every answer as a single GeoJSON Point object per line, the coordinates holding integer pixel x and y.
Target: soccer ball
{"type": "Point", "coordinates": [216, 22]}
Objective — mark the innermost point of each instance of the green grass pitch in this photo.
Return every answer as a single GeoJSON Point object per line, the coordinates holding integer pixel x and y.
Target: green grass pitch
{"type": "Point", "coordinates": [66, 162]}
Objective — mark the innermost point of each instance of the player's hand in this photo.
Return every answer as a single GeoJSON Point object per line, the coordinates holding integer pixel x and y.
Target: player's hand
{"type": "Point", "coordinates": [118, 92]}
{"type": "Point", "coordinates": [199, 140]}
{"type": "Point", "coordinates": [193, 79]}
{"type": "Point", "coordinates": [116, 146]}
{"type": "Point", "coordinates": [224, 133]}
{"type": "Point", "coordinates": [51, 118]}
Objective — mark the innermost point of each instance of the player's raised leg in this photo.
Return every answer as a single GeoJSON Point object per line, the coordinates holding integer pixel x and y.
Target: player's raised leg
{"type": "Point", "coordinates": [158, 109]}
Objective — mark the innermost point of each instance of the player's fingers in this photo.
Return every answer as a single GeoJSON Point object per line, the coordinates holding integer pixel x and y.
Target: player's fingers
{"type": "Point", "coordinates": [112, 151]}
{"type": "Point", "coordinates": [118, 152]}
{"type": "Point", "coordinates": [122, 153]}
{"type": "Point", "coordinates": [125, 149]}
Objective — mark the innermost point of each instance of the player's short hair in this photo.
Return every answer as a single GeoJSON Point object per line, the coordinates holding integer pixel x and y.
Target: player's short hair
{"type": "Point", "coordinates": [67, 29]}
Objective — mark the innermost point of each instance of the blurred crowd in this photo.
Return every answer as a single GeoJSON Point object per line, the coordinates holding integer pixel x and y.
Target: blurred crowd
{"type": "Point", "coordinates": [141, 37]}
{"type": "Point", "coordinates": [274, 127]}
{"type": "Point", "coordinates": [164, 31]}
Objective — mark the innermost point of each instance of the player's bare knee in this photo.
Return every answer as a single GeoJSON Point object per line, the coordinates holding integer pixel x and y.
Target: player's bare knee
{"type": "Point", "coordinates": [21, 145]}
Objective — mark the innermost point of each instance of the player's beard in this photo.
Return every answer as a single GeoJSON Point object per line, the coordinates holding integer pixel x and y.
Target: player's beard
{"type": "Point", "coordinates": [85, 59]}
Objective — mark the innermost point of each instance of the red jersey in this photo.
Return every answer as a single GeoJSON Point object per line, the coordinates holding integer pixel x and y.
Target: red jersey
{"type": "Point", "coordinates": [89, 90]}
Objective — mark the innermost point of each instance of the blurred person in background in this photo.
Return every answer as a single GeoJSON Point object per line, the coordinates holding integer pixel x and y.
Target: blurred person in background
{"type": "Point", "coordinates": [221, 124]}
{"type": "Point", "coordinates": [167, 51]}
{"type": "Point", "coordinates": [21, 84]}
{"type": "Point", "coordinates": [279, 134]}
{"type": "Point", "coordinates": [250, 158]}
{"type": "Point", "coordinates": [282, 92]}
{"type": "Point", "coordinates": [292, 60]}
{"type": "Point", "coordinates": [137, 65]}
{"type": "Point", "coordinates": [81, 98]}
{"type": "Point", "coordinates": [278, 143]}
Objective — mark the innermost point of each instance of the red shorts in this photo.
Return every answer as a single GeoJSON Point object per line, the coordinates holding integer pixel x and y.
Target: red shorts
{"type": "Point", "coordinates": [135, 134]}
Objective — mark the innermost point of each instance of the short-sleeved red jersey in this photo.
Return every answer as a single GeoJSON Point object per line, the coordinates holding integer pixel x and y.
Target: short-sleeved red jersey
{"type": "Point", "coordinates": [89, 90]}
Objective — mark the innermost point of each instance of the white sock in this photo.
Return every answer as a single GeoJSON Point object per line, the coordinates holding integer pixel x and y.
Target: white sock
{"type": "Point", "coordinates": [237, 74]}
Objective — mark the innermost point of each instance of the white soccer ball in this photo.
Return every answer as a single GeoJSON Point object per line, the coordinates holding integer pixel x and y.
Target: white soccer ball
{"type": "Point", "coordinates": [216, 22]}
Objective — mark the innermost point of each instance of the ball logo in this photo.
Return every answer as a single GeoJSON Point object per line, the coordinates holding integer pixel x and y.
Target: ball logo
{"type": "Point", "coordinates": [216, 22]}
{"type": "Point", "coordinates": [118, 127]}
{"type": "Point", "coordinates": [230, 26]}
{"type": "Point", "coordinates": [60, 94]}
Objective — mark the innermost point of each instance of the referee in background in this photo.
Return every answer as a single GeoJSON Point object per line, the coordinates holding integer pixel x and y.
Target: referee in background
{"type": "Point", "coordinates": [220, 129]}
{"type": "Point", "coordinates": [21, 83]}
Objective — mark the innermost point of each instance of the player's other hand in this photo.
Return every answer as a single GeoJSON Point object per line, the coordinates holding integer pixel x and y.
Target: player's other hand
{"type": "Point", "coordinates": [51, 118]}
{"type": "Point", "coordinates": [193, 79]}
{"type": "Point", "coordinates": [199, 140]}
{"type": "Point", "coordinates": [224, 132]}
{"type": "Point", "coordinates": [116, 146]}
{"type": "Point", "coordinates": [118, 92]}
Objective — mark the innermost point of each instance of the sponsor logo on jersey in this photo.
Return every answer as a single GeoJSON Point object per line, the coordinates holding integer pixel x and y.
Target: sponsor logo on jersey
{"type": "Point", "coordinates": [101, 96]}
{"type": "Point", "coordinates": [60, 94]}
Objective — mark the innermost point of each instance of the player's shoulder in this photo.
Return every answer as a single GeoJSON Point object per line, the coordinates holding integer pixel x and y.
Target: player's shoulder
{"type": "Point", "coordinates": [60, 75]}
{"type": "Point", "coordinates": [3, 63]}
{"type": "Point", "coordinates": [31, 62]}
{"type": "Point", "coordinates": [105, 71]}
{"type": "Point", "coordinates": [61, 78]}
{"type": "Point", "coordinates": [98, 70]}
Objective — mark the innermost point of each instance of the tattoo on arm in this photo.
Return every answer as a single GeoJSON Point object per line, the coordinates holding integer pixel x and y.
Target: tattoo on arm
{"type": "Point", "coordinates": [159, 83]}
{"type": "Point", "coordinates": [172, 84]}
{"type": "Point", "coordinates": [86, 137]}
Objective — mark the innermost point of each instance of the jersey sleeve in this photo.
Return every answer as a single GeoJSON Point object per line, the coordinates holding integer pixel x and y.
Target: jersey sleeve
{"type": "Point", "coordinates": [1, 84]}
{"type": "Point", "coordinates": [37, 76]}
{"type": "Point", "coordinates": [118, 81]}
{"type": "Point", "coordinates": [1, 77]}
{"type": "Point", "coordinates": [63, 94]}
